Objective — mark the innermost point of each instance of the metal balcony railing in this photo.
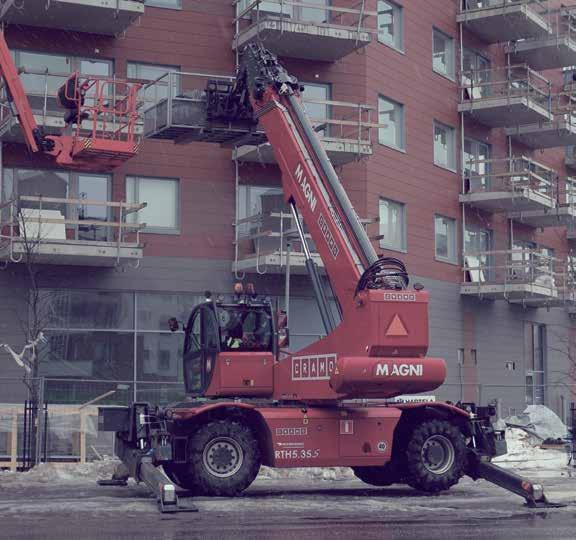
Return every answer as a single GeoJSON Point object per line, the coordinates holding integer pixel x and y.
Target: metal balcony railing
{"type": "Point", "coordinates": [514, 174]}
{"type": "Point", "coordinates": [174, 108]}
{"type": "Point", "coordinates": [305, 29]}
{"type": "Point", "coordinates": [506, 82]}
{"type": "Point", "coordinates": [267, 242]}
{"type": "Point", "coordinates": [57, 230]}
{"type": "Point", "coordinates": [526, 276]}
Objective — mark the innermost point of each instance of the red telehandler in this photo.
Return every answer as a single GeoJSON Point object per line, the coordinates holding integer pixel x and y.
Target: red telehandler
{"type": "Point", "coordinates": [251, 403]}
{"type": "Point", "coordinates": [101, 118]}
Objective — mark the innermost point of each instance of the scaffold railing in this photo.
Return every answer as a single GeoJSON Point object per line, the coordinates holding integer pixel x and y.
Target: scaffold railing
{"type": "Point", "coordinates": [541, 7]}
{"type": "Point", "coordinates": [514, 175]}
{"type": "Point", "coordinates": [354, 18]}
{"type": "Point", "coordinates": [506, 82]}
{"type": "Point", "coordinates": [30, 223]}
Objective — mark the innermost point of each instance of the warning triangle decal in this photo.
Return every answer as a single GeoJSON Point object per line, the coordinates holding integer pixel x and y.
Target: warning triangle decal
{"type": "Point", "coordinates": [396, 328]}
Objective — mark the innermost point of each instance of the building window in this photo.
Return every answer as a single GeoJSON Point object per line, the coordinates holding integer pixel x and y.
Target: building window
{"type": "Point", "coordinates": [535, 348]}
{"type": "Point", "coordinates": [392, 225]}
{"type": "Point", "coordinates": [570, 188]}
{"type": "Point", "coordinates": [391, 114]}
{"type": "Point", "coordinates": [476, 165]}
{"type": "Point", "coordinates": [46, 73]}
{"type": "Point", "coordinates": [477, 255]}
{"type": "Point", "coordinates": [475, 74]}
{"type": "Point", "coordinates": [390, 24]}
{"type": "Point", "coordinates": [443, 54]}
{"type": "Point", "coordinates": [162, 197]}
{"type": "Point", "coordinates": [151, 72]}
{"type": "Point", "coordinates": [318, 109]}
{"type": "Point", "coordinates": [444, 146]}
{"type": "Point", "coordinates": [445, 239]}
{"type": "Point", "coordinates": [174, 4]}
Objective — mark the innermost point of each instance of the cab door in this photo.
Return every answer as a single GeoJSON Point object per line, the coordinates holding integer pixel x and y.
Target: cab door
{"type": "Point", "coordinates": [201, 348]}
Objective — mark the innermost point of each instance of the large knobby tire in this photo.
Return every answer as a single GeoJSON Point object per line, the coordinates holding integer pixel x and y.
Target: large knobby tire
{"type": "Point", "coordinates": [224, 459]}
{"type": "Point", "coordinates": [435, 456]}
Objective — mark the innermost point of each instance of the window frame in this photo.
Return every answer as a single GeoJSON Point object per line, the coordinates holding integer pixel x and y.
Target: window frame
{"type": "Point", "coordinates": [451, 165]}
{"type": "Point", "coordinates": [153, 3]}
{"type": "Point", "coordinates": [401, 126]}
{"type": "Point", "coordinates": [403, 233]}
{"type": "Point", "coordinates": [397, 14]}
{"type": "Point", "coordinates": [177, 209]}
{"type": "Point", "coordinates": [451, 75]}
{"type": "Point", "coordinates": [450, 242]}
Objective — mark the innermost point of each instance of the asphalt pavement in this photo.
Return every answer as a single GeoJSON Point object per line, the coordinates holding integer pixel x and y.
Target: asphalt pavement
{"type": "Point", "coordinates": [283, 509]}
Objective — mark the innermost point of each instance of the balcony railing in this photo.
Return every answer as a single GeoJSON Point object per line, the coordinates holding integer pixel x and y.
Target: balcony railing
{"type": "Point", "coordinates": [53, 230]}
{"type": "Point", "coordinates": [497, 21]}
{"type": "Point", "coordinates": [509, 184]}
{"type": "Point", "coordinates": [506, 96]}
{"type": "Point", "coordinates": [549, 51]}
{"type": "Point", "coordinates": [96, 17]}
{"type": "Point", "coordinates": [557, 132]}
{"type": "Point", "coordinates": [307, 30]}
{"type": "Point", "coordinates": [523, 276]}
{"type": "Point", "coordinates": [267, 242]}
{"type": "Point", "coordinates": [346, 130]}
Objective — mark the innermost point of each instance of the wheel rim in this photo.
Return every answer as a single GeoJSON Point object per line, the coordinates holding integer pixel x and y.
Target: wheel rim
{"type": "Point", "coordinates": [223, 457]}
{"type": "Point", "coordinates": [438, 454]}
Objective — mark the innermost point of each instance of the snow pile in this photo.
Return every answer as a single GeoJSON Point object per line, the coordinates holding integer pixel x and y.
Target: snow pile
{"type": "Point", "coordinates": [540, 421]}
{"type": "Point", "coordinates": [47, 473]}
{"type": "Point", "coordinates": [313, 473]}
{"type": "Point", "coordinates": [524, 453]}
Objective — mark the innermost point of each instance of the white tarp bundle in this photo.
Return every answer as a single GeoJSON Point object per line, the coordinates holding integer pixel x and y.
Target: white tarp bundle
{"type": "Point", "coordinates": [540, 421]}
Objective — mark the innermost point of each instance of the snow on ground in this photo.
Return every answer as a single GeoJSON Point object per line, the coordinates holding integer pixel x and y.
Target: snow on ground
{"type": "Point", "coordinates": [524, 453]}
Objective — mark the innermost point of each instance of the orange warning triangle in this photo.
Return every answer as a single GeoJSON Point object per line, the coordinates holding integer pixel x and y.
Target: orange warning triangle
{"type": "Point", "coordinates": [397, 327]}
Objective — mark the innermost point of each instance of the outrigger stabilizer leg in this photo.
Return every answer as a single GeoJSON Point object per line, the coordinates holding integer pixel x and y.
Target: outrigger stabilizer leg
{"type": "Point", "coordinates": [532, 493]}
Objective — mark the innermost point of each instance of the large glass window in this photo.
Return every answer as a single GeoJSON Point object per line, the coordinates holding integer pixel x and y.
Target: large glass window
{"type": "Point", "coordinates": [535, 348]}
{"type": "Point", "coordinates": [475, 74]}
{"type": "Point", "coordinates": [477, 256]}
{"type": "Point", "coordinates": [391, 114]}
{"type": "Point", "coordinates": [476, 165]}
{"type": "Point", "coordinates": [162, 197]}
{"type": "Point", "coordinates": [443, 57]}
{"type": "Point", "coordinates": [393, 225]}
{"type": "Point", "coordinates": [444, 146]}
{"type": "Point", "coordinates": [445, 238]}
{"type": "Point", "coordinates": [151, 72]}
{"type": "Point", "coordinates": [390, 24]}
{"type": "Point", "coordinates": [318, 112]}
{"type": "Point", "coordinates": [174, 4]}
{"type": "Point", "coordinates": [154, 309]}
{"type": "Point", "coordinates": [93, 188]}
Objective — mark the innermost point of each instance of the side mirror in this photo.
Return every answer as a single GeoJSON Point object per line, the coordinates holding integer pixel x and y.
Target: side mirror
{"type": "Point", "coordinates": [283, 338]}
{"type": "Point", "coordinates": [173, 324]}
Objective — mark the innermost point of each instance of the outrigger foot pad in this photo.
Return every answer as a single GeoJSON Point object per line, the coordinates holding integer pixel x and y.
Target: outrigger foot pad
{"type": "Point", "coordinates": [112, 482]}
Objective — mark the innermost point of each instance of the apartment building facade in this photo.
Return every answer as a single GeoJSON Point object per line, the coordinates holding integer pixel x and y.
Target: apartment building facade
{"type": "Point", "coordinates": [450, 124]}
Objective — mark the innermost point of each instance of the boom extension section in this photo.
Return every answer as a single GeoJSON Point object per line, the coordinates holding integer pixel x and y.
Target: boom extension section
{"type": "Point", "coordinates": [101, 118]}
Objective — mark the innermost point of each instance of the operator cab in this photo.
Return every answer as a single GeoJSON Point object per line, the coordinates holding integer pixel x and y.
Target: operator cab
{"type": "Point", "coordinates": [245, 325]}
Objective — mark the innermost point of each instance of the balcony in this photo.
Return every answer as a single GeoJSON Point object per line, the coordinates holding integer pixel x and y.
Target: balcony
{"type": "Point", "coordinates": [552, 51]}
{"type": "Point", "coordinates": [266, 239]}
{"type": "Point", "coordinates": [510, 185]}
{"type": "Point", "coordinates": [496, 21]}
{"type": "Point", "coordinates": [60, 231]}
{"type": "Point", "coordinates": [505, 96]}
{"type": "Point", "coordinates": [519, 276]}
{"type": "Point", "coordinates": [105, 17]}
{"type": "Point", "coordinates": [561, 131]}
{"type": "Point", "coordinates": [309, 30]}
{"type": "Point", "coordinates": [345, 130]}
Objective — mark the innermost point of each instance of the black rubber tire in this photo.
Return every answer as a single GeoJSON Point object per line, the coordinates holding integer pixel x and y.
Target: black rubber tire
{"type": "Point", "coordinates": [418, 475]}
{"type": "Point", "coordinates": [178, 474]}
{"type": "Point", "coordinates": [386, 475]}
{"type": "Point", "coordinates": [197, 476]}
